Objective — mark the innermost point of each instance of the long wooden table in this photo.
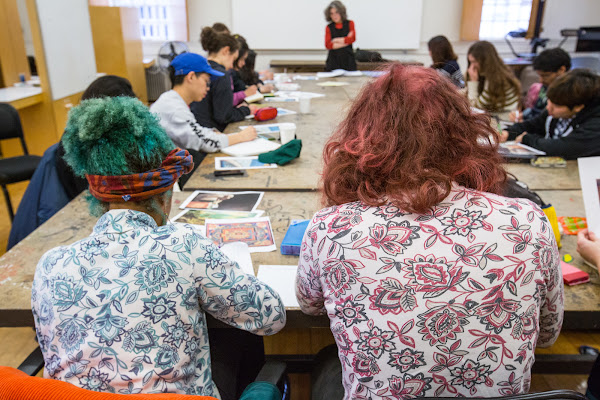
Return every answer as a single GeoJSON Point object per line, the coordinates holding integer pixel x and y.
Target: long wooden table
{"type": "Point", "coordinates": [17, 267]}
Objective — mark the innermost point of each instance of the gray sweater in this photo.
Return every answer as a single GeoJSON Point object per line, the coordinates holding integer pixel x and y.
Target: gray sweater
{"type": "Point", "coordinates": [181, 126]}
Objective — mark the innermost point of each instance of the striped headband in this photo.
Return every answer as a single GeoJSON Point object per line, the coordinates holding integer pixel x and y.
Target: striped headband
{"type": "Point", "coordinates": [142, 186]}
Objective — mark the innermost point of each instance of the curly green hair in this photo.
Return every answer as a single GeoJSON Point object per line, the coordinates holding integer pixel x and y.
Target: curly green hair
{"type": "Point", "coordinates": [113, 136]}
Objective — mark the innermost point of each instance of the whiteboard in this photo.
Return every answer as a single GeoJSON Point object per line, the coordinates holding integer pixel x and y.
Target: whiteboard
{"type": "Point", "coordinates": [293, 24]}
{"type": "Point", "coordinates": [68, 45]}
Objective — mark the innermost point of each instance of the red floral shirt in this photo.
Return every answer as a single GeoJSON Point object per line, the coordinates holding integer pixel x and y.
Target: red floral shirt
{"type": "Point", "coordinates": [449, 303]}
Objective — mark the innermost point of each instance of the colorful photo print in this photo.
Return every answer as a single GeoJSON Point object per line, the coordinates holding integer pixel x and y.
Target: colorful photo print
{"type": "Point", "coordinates": [198, 217]}
{"type": "Point", "coordinates": [223, 201]}
{"type": "Point", "coordinates": [256, 233]}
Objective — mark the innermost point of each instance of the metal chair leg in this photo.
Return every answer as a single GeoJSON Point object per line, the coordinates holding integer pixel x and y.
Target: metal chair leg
{"type": "Point", "coordinates": [8, 203]}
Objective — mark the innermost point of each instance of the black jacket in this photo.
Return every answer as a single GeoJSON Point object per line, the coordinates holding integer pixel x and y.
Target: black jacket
{"type": "Point", "coordinates": [216, 110]}
{"type": "Point", "coordinates": [582, 141]}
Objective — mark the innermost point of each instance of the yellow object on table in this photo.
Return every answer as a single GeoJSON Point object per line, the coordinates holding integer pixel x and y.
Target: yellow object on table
{"type": "Point", "coordinates": [551, 214]}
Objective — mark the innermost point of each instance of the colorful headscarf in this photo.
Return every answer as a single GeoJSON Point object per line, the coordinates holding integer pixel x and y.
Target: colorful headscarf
{"type": "Point", "coordinates": [144, 185]}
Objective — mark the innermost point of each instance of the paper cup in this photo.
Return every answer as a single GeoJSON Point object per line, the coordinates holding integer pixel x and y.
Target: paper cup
{"type": "Point", "coordinates": [304, 105]}
{"type": "Point", "coordinates": [287, 133]}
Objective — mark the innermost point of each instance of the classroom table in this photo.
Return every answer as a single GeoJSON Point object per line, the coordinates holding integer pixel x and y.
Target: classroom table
{"type": "Point", "coordinates": [319, 65]}
{"type": "Point", "coordinates": [17, 267]}
{"type": "Point", "coordinates": [313, 129]}
{"type": "Point", "coordinates": [547, 178]}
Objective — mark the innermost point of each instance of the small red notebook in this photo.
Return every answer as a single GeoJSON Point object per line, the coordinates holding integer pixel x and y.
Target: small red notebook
{"type": "Point", "coordinates": [573, 275]}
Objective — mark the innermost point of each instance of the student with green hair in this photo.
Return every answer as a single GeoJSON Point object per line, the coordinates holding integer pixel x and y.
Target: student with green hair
{"type": "Point", "coordinates": [123, 310]}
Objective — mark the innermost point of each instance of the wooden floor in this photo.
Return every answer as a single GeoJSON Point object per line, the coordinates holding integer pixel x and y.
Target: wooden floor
{"type": "Point", "coordinates": [17, 343]}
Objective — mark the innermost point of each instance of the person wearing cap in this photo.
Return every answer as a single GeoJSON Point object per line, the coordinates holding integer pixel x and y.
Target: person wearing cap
{"type": "Point", "coordinates": [123, 310]}
{"type": "Point", "coordinates": [190, 75]}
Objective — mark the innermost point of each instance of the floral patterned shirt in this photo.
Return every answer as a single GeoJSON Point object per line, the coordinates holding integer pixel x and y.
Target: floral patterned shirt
{"type": "Point", "coordinates": [449, 303]}
{"type": "Point", "coordinates": [123, 309]}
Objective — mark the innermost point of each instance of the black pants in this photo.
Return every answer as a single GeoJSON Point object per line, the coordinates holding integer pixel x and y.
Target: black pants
{"type": "Point", "coordinates": [326, 376]}
{"type": "Point", "coordinates": [236, 358]}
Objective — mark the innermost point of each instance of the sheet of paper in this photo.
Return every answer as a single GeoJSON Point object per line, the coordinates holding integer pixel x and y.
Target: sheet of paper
{"type": "Point", "coordinates": [280, 99]}
{"type": "Point", "coordinates": [237, 163]}
{"type": "Point", "coordinates": [331, 74]}
{"type": "Point", "coordinates": [298, 94]}
{"type": "Point", "coordinates": [282, 279]}
{"type": "Point", "coordinates": [353, 73]}
{"type": "Point", "coordinates": [198, 217]}
{"type": "Point", "coordinates": [240, 253]}
{"type": "Point", "coordinates": [332, 83]}
{"type": "Point", "coordinates": [252, 148]}
{"type": "Point", "coordinates": [255, 232]}
{"type": "Point", "coordinates": [305, 77]}
{"type": "Point", "coordinates": [270, 128]}
{"type": "Point", "coordinates": [223, 201]}
{"type": "Point", "coordinates": [589, 174]}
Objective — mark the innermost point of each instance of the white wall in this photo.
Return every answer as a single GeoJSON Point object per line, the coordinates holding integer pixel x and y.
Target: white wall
{"type": "Point", "coordinates": [440, 17]}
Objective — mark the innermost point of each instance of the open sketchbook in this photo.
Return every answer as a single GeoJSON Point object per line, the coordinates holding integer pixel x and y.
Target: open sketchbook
{"type": "Point", "coordinates": [252, 148]}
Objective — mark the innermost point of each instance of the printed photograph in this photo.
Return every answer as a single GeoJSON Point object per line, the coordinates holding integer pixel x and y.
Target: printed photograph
{"type": "Point", "coordinates": [198, 217]}
{"type": "Point", "coordinates": [223, 201]}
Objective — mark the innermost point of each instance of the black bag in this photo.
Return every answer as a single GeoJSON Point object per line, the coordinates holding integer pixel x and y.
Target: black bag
{"type": "Point", "coordinates": [368, 56]}
{"type": "Point", "coordinates": [514, 188]}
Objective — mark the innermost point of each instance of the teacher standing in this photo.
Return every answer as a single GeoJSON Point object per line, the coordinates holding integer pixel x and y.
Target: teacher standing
{"type": "Point", "coordinates": [339, 36]}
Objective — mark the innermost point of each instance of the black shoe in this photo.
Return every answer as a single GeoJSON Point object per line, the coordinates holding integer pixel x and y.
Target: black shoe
{"type": "Point", "coordinates": [589, 350]}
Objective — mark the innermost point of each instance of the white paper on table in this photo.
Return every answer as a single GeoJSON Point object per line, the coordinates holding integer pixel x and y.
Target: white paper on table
{"type": "Point", "coordinates": [589, 174]}
{"type": "Point", "coordinates": [305, 78]}
{"type": "Point", "coordinates": [252, 148]}
{"type": "Point", "coordinates": [332, 83]}
{"type": "Point", "coordinates": [270, 128]}
{"type": "Point", "coordinates": [353, 73]}
{"type": "Point", "coordinates": [282, 279]}
{"type": "Point", "coordinates": [298, 95]}
{"type": "Point", "coordinates": [280, 99]}
{"type": "Point", "coordinates": [240, 253]}
{"type": "Point", "coordinates": [331, 74]}
{"type": "Point", "coordinates": [286, 86]}
{"type": "Point", "coordinates": [240, 163]}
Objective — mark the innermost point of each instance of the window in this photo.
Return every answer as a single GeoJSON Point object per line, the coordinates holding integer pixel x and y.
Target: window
{"type": "Point", "coordinates": [498, 17]}
{"type": "Point", "coordinates": [160, 20]}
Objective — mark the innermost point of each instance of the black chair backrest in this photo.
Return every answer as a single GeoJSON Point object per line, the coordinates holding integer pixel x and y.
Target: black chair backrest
{"type": "Point", "coordinates": [550, 395]}
{"type": "Point", "coordinates": [10, 125]}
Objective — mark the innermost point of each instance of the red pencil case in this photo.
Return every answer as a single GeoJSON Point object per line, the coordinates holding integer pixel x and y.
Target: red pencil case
{"type": "Point", "coordinates": [573, 275]}
{"type": "Point", "coordinates": [265, 114]}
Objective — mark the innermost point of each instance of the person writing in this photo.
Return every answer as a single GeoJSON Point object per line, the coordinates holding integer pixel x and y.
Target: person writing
{"type": "Point", "coordinates": [217, 109]}
{"type": "Point", "coordinates": [190, 76]}
{"type": "Point", "coordinates": [339, 36]}
{"type": "Point", "coordinates": [412, 259]}
{"type": "Point", "coordinates": [124, 309]}
{"type": "Point", "coordinates": [570, 125]}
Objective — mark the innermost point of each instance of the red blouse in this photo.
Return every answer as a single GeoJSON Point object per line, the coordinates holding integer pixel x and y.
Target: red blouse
{"type": "Point", "coordinates": [351, 38]}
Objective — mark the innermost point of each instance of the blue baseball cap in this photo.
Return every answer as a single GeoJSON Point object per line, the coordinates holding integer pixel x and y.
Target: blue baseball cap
{"type": "Point", "coordinates": [192, 62]}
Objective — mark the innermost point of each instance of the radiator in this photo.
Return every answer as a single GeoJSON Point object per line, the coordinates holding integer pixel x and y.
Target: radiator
{"type": "Point", "coordinates": [157, 82]}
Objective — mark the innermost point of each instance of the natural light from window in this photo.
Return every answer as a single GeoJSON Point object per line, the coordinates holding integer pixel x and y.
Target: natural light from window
{"type": "Point", "coordinates": [160, 20]}
{"type": "Point", "coordinates": [498, 17]}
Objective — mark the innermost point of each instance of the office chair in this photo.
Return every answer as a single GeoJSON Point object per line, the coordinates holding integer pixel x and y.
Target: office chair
{"type": "Point", "coordinates": [14, 169]}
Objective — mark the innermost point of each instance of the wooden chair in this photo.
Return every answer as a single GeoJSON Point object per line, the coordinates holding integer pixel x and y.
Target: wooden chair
{"type": "Point", "coordinates": [14, 169]}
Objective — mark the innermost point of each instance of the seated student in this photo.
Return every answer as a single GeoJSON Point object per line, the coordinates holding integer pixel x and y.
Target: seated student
{"type": "Point", "coordinates": [240, 89]}
{"type": "Point", "coordinates": [444, 60]}
{"type": "Point", "coordinates": [410, 260]}
{"type": "Point", "coordinates": [491, 85]}
{"type": "Point", "coordinates": [123, 310]}
{"type": "Point", "coordinates": [251, 77]}
{"type": "Point", "coordinates": [190, 75]}
{"type": "Point", "coordinates": [570, 125]}
{"type": "Point", "coordinates": [53, 180]}
{"type": "Point", "coordinates": [216, 110]}
{"type": "Point", "coordinates": [549, 65]}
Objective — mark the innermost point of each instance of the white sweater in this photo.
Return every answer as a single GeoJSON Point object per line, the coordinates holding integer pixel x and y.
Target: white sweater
{"type": "Point", "coordinates": [181, 126]}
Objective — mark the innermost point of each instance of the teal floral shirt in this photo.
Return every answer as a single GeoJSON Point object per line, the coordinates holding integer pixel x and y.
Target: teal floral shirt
{"type": "Point", "coordinates": [122, 310]}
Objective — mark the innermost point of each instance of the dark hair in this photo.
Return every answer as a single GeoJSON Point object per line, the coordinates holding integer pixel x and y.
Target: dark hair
{"type": "Point", "coordinates": [243, 49]}
{"type": "Point", "coordinates": [576, 87]}
{"type": "Point", "coordinates": [551, 60]}
{"type": "Point", "coordinates": [177, 80]}
{"type": "Point", "coordinates": [108, 86]}
{"type": "Point", "coordinates": [340, 7]}
{"type": "Point", "coordinates": [406, 138]}
{"type": "Point", "coordinates": [441, 51]}
{"type": "Point", "coordinates": [220, 27]}
{"type": "Point", "coordinates": [212, 41]}
{"type": "Point", "coordinates": [501, 80]}
{"type": "Point", "coordinates": [247, 72]}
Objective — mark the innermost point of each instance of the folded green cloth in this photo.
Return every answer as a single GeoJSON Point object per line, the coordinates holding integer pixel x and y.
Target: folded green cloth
{"type": "Point", "coordinates": [282, 155]}
{"type": "Point", "coordinates": [261, 391]}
